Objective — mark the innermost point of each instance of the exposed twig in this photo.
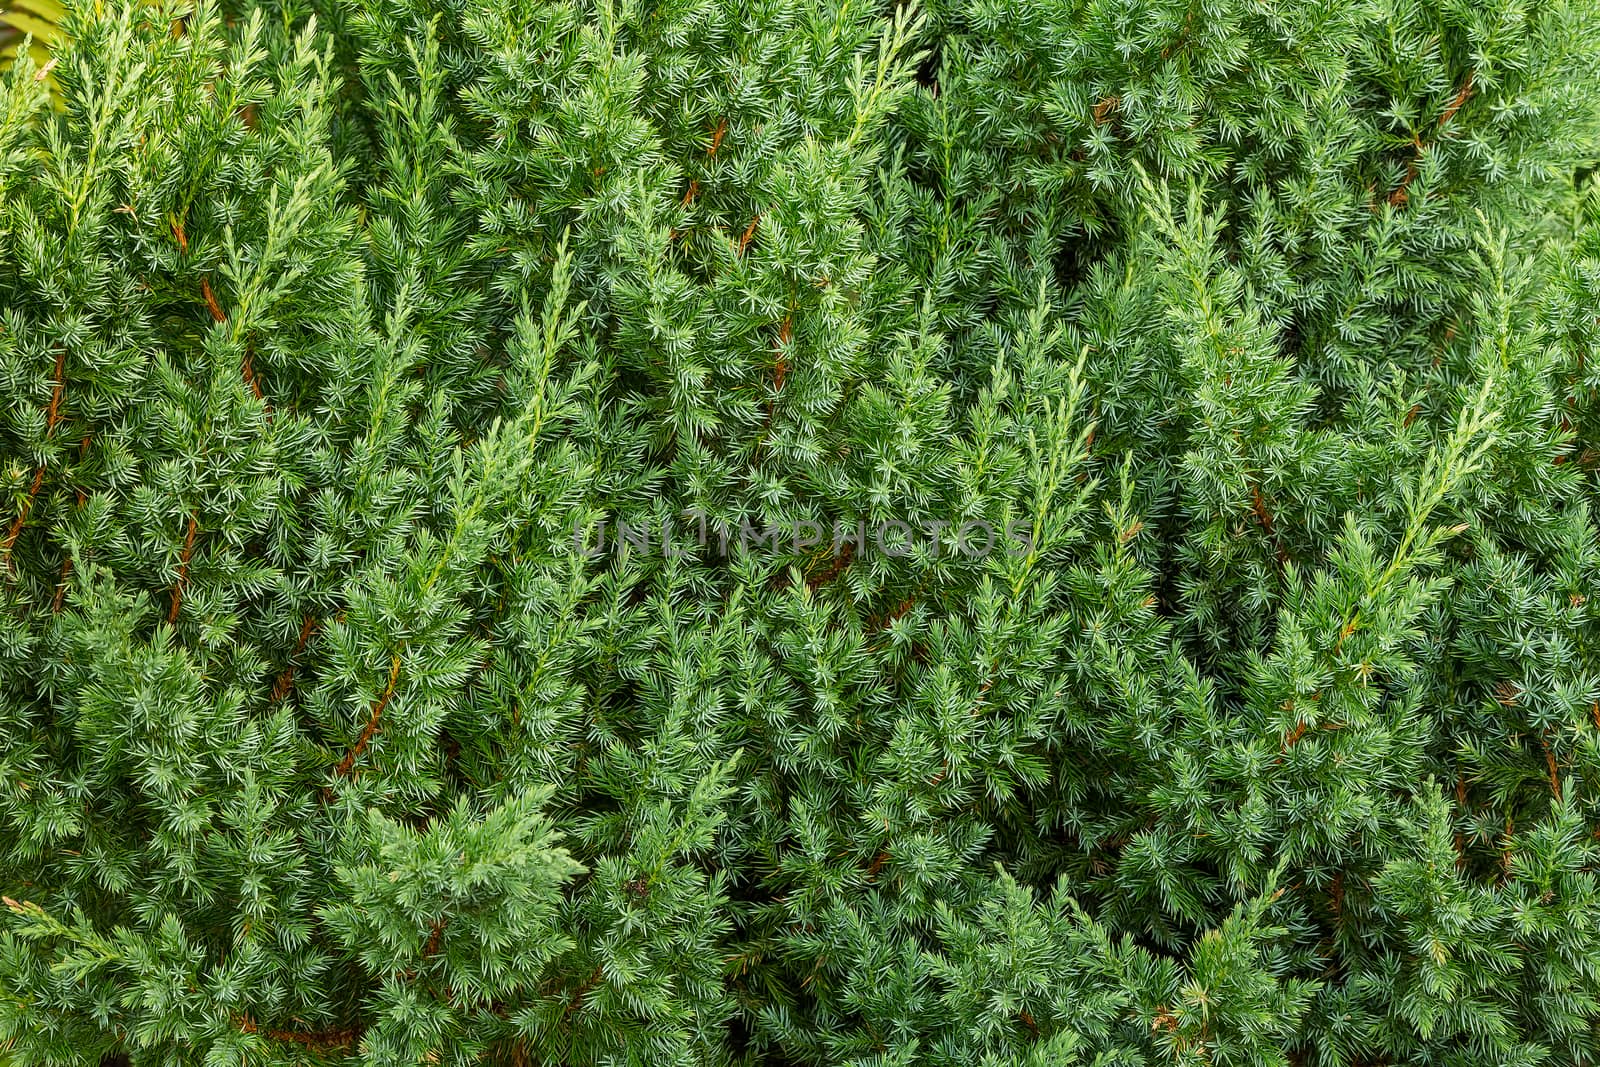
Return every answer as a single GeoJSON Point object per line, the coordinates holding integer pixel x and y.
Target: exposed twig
{"type": "Point", "coordinates": [331, 1040]}
{"type": "Point", "coordinates": [435, 933]}
{"type": "Point", "coordinates": [749, 233]}
{"type": "Point", "coordinates": [374, 720]}
{"type": "Point", "coordinates": [1399, 197]}
{"type": "Point", "coordinates": [211, 301]}
{"type": "Point", "coordinates": [780, 369]}
{"type": "Point", "coordinates": [217, 315]}
{"type": "Point", "coordinates": [52, 417]}
{"type": "Point", "coordinates": [285, 682]}
{"type": "Point", "coordinates": [183, 571]}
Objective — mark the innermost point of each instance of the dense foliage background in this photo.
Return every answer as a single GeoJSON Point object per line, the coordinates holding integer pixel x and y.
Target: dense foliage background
{"type": "Point", "coordinates": [1270, 734]}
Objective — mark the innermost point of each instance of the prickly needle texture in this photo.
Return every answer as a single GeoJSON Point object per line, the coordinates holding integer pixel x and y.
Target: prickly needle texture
{"type": "Point", "coordinates": [1267, 731]}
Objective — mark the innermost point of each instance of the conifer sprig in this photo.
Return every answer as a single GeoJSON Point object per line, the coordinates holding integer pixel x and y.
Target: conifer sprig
{"type": "Point", "coordinates": [1000, 532]}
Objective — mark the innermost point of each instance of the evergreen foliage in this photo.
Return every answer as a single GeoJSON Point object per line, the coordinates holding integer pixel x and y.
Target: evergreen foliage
{"type": "Point", "coordinates": [1264, 336]}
